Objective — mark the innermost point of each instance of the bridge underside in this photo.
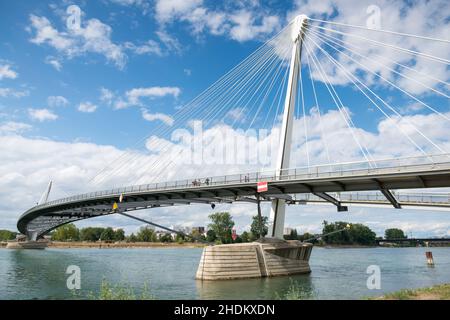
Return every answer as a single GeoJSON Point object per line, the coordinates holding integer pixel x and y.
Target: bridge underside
{"type": "Point", "coordinates": [337, 190]}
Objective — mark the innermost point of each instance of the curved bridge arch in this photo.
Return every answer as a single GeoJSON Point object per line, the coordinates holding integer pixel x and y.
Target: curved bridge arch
{"type": "Point", "coordinates": [338, 184]}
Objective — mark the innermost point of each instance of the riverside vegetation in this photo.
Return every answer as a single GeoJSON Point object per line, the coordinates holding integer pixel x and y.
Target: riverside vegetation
{"type": "Point", "coordinates": [219, 232]}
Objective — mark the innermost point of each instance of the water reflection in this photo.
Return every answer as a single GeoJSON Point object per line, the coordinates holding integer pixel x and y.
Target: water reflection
{"type": "Point", "coordinates": [265, 288]}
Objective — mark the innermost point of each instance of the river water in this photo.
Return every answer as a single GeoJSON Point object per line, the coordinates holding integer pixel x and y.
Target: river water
{"type": "Point", "coordinates": [169, 273]}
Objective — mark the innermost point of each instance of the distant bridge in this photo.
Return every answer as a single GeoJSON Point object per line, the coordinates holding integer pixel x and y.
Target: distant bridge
{"type": "Point", "coordinates": [414, 240]}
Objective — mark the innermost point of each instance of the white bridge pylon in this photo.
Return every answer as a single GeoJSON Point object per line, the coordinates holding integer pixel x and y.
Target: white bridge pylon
{"type": "Point", "coordinates": [277, 212]}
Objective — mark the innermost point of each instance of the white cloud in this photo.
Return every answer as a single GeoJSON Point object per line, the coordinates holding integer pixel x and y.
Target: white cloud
{"type": "Point", "coordinates": [71, 165]}
{"type": "Point", "coordinates": [244, 27]}
{"type": "Point", "coordinates": [93, 37]}
{"type": "Point", "coordinates": [55, 63]}
{"type": "Point", "coordinates": [12, 127]}
{"type": "Point", "coordinates": [8, 92]}
{"type": "Point", "coordinates": [170, 9]}
{"type": "Point", "coordinates": [57, 101]}
{"type": "Point", "coordinates": [149, 47]}
{"type": "Point", "coordinates": [187, 72]}
{"type": "Point", "coordinates": [157, 116]}
{"type": "Point", "coordinates": [87, 107]}
{"type": "Point", "coordinates": [134, 96]}
{"type": "Point", "coordinates": [241, 22]}
{"type": "Point", "coordinates": [106, 96]}
{"type": "Point", "coordinates": [42, 115]}
{"type": "Point", "coordinates": [424, 18]}
{"type": "Point", "coordinates": [6, 72]}
{"type": "Point", "coordinates": [171, 43]}
{"type": "Point", "coordinates": [141, 4]}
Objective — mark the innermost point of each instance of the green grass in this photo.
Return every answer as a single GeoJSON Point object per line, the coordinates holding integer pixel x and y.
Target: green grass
{"type": "Point", "coordinates": [295, 292]}
{"type": "Point", "coordinates": [117, 292]}
{"type": "Point", "coordinates": [438, 292]}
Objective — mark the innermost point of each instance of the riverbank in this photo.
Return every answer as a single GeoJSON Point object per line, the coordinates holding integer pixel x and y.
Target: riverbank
{"type": "Point", "coordinates": [438, 292]}
{"type": "Point", "coordinates": [106, 245]}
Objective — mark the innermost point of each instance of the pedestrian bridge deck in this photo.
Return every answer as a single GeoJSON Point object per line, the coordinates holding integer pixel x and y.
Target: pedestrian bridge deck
{"type": "Point", "coordinates": [346, 181]}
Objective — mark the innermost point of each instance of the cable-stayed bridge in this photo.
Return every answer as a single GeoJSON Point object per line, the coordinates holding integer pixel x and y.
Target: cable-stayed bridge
{"type": "Point", "coordinates": [304, 65]}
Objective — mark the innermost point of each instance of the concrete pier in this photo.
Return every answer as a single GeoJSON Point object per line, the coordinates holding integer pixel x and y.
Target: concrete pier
{"type": "Point", "coordinates": [268, 257]}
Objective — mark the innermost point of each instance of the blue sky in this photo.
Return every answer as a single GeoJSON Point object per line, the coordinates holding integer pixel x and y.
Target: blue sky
{"type": "Point", "coordinates": [70, 101]}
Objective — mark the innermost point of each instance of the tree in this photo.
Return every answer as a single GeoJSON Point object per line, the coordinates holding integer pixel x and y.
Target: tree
{"type": "Point", "coordinates": [108, 234]}
{"type": "Point", "coordinates": [292, 236]}
{"type": "Point", "coordinates": [348, 233]}
{"type": "Point", "coordinates": [166, 237]}
{"type": "Point", "coordinates": [245, 236]}
{"type": "Point", "coordinates": [132, 238]}
{"type": "Point", "coordinates": [179, 238]}
{"type": "Point", "coordinates": [255, 228]}
{"type": "Point", "coordinates": [222, 224]}
{"type": "Point", "coordinates": [91, 234]}
{"type": "Point", "coordinates": [394, 233]}
{"type": "Point", "coordinates": [146, 234]}
{"type": "Point", "coordinates": [211, 236]}
{"type": "Point", "coordinates": [119, 235]}
{"type": "Point", "coordinates": [67, 232]}
{"type": "Point", "coordinates": [306, 236]}
{"type": "Point", "coordinates": [6, 235]}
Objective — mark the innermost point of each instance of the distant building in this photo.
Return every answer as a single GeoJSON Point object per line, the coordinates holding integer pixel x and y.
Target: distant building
{"type": "Point", "coordinates": [287, 231]}
{"type": "Point", "coordinates": [201, 230]}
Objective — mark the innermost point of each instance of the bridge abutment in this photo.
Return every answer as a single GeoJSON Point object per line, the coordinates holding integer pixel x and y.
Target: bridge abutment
{"type": "Point", "coordinates": [267, 257]}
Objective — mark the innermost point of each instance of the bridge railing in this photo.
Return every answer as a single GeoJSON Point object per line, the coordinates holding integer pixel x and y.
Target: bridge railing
{"type": "Point", "coordinates": [422, 198]}
{"type": "Point", "coordinates": [319, 171]}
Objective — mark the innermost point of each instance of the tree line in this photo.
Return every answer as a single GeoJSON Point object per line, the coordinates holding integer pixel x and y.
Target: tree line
{"type": "Point", "coordinates": [220, 232]}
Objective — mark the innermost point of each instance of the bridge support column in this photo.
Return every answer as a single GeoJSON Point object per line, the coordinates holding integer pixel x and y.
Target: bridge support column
{"type": "Point", "coordinates": [277, 213]}
{"type": "Point", "coordinates": [32, 236]}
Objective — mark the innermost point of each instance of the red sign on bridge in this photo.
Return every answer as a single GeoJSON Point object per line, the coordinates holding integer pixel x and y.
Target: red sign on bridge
{"type": "Point", "coordinates": [262, 186]}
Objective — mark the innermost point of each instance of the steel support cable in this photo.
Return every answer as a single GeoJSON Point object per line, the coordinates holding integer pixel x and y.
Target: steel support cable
{"type": "Point", "coordinates": [417, 53]}
{"type": "Point", "coordinates": [214, 113]}
{"type": "Point", "coordinates": [163, 227]}
{"type": "Point", "coordinates": [210, 88]}
{"type": "Point", "coordinates": [187, 114]}
{"type": "Point", "coordinates": [349, 118]}
{"type": "Point", "coordinates": [256, 72]}
{"type": "Point", "coordinates": [383, 101]}
{"type": "Point", "coordinates": [348, 74]}
{"type": "Point", "coordinates": [404, 91]}
{"type": "Point", "coordinates": [348, 44]}
{"type": "Point", "coordinates": [252, 89]}
{"type": "Point", "coordinates": [276, 98]}
{"type": "Point", "coordinates": [384, 65]}
{"type": "Point", "coordinates": [304, 113]}
{"type": "Point", "coordinates": [277, 68]}
{"type": "Point", "coordinates": [274, 38]}
{"type": "Point", "coordinates": [328, 85]}
{"type": "Point", "coordinates": [381, 30]}
{"type": "Point", "coordinates": [267, 92]}
{"type": "Point", "coordinates": [280, 100]}
{"type": "Point", "coordinates": [263, 87]}
{"type": "Point", "coordinates": [324, 137]}
{"type": "Point", "coordinates": [346, 116]}
{"type": "Point", "coordinates": [127, 160]}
